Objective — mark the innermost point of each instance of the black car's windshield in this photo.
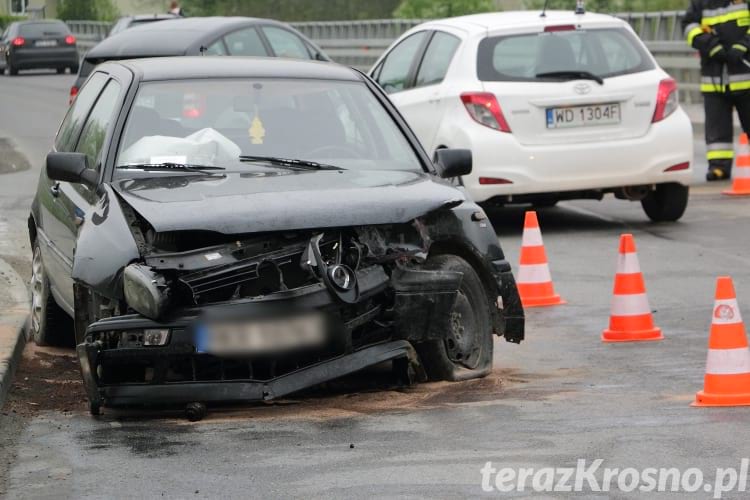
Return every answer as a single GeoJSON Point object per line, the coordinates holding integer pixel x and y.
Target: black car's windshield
{"type": "Point", "coordinates": [224, 122]}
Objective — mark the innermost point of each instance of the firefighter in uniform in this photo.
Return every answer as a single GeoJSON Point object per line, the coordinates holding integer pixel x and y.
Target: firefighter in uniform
{"type": "Point", "coordinates": [718, 29]}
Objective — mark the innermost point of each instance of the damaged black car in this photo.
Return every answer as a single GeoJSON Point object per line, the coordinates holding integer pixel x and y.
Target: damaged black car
{"type": "Point", "coordinates": [239, 230]}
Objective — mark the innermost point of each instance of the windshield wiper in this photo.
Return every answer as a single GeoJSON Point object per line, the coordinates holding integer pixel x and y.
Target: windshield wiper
{"type": "Point", "coordinates": [572, 75]}
{"type": "Point", "coordinates": [289, 163]}
{"type": "Point", "coordinates": [168, 165]}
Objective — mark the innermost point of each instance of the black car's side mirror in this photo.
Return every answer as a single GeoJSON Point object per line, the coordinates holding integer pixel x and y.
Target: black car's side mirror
{"type": "Point", "coordinates": [71, 167]}
{"type": "Point", "coordinates": [453, 162]}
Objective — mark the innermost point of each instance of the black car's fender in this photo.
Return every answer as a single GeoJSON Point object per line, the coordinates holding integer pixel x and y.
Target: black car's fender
{"type": "Point", "coordinates": [105, 245]}
{"type": "Point", "coordinates": [465, 231]}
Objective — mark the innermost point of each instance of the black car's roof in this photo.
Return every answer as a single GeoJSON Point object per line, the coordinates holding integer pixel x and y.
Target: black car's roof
{"type": "Point", "coordinates": [179, 68]}
{"type": "Point", "coordinates": [141, 17]}
{"type": "Point", "coordinates": [172, 37]}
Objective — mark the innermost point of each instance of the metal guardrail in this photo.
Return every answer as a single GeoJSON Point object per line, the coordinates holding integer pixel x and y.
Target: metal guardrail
{"type": "Point", "coordinates": [89, 33]}
{"type": "Point", "coordinates": [360, 43]}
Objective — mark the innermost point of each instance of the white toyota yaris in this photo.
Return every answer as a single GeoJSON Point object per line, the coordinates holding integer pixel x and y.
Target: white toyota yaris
{"type": "Point", "coordinates": [555, 107]}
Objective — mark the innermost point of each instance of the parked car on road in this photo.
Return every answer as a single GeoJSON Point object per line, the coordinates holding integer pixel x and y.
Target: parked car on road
{"type": "Point", "coordinates": [47, 44]}
{"type": "Point", "coordinates": [240, 229]}
{"type": "Point", "coordinates": [553, 107]}
{"type": "Point", "coordinates": [127, 22]}
{"type": "Point", "coordinates": [224, 36]}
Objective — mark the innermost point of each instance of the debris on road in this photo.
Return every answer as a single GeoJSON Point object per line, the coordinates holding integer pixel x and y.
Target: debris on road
{"type": "Point", "coordinates": [47, 379]}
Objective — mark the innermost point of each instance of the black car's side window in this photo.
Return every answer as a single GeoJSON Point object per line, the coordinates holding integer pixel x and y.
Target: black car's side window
{"type": "Point", "coordinates": [285, 43]}
{"type": "Point", "coordinates": [71, 126]}
{"type": "Point", "coordinates": [95, 130]}
{"type": "Point", "coordinates": [437, 58]}
{"type": "Point", "coordinates": [245, 42]}
{"type": "Point", "coordinates": [394, 72]}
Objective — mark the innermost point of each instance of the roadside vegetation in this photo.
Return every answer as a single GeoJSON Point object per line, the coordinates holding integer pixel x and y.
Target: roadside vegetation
{"type": "Point", "coordinates": [82, 10]}
{"type": "Point", "coordinates": [331, 10]}
{"type": "Point", "coordinates": [613, 5]}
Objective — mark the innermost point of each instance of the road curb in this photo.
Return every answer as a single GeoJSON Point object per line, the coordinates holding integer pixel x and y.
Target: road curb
{"type": "Point", "coordinates": [14, 316]}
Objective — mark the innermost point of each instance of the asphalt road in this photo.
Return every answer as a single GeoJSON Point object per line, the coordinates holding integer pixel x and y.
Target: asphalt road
{"type": "Point", "coordinates": [560, 396]}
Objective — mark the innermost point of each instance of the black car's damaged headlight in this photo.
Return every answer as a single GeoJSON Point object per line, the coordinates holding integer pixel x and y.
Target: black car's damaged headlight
{"type": "Point", "coordinates": [145, 291]}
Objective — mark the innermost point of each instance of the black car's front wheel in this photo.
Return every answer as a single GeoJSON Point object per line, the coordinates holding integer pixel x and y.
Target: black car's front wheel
{"type": "Point", "coordinates": [49, 323]}
{"type": "Point", "coordinates": [466, 350]}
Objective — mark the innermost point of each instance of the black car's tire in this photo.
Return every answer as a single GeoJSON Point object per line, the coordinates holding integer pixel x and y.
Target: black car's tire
{"type": "Point", "coordinates": [667, 203]}
{"type": "Point", "coordinates": [49, 323]}
{"type": "Point", "coordinates": [466, 352]}
{"type": "Point", "coordinates": [74, 70]}
{"type": "Point", "coordinates": [12, 70]}
{"type": "Point", "coordinates": [60, 71]}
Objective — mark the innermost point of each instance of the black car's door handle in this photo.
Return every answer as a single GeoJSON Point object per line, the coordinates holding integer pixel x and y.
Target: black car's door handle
{"type": "Point", "coordinates": [55, 189]}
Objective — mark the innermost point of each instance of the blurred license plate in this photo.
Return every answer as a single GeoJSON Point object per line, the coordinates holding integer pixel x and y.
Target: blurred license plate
{"type": "Point", "coordinates": [583, 116]}
{"type": "Point", "coordinates": [262, 336]}
{"type": "Point", "coordinates": [45, 43]}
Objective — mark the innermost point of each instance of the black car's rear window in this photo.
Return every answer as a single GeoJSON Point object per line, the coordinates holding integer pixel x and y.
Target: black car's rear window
{"type": "Point", "coordinates": [41, 30]}
{"type": "Point", "coordinates": [604, 52]}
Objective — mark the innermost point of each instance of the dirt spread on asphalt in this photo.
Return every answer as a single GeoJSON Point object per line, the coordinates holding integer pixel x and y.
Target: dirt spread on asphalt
{"type": "Point", "coordinates": [49, 379]}
{"type": "Point", "coordinates": [10, 159]}
{"type": "Point", "coordinates": [46, 379]}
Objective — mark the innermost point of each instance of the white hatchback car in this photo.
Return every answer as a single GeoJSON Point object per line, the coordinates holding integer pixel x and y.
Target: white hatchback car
{"type": "Point", "coordinates": [565, 106]}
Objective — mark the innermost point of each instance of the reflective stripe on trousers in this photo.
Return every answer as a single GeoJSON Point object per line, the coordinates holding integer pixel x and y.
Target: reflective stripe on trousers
{"type": "Point", "coordinates": [720, 151]}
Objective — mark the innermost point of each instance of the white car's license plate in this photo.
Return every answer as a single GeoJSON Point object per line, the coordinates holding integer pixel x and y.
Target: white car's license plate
{"type": "Point", "coordinates": [583, 116]}
{"type": "Point", "coordinates": [45, 43]}
{"type": "Point", "coordinates": [262, 336]}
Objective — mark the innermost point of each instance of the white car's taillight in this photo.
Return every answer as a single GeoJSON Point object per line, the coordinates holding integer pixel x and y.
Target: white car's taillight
{"type": "Point", "coordinates": [484, 109]}
{"type": "Point", "coordinates": [667, 100]}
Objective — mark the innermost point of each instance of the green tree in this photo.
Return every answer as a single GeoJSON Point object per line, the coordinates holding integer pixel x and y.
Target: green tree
{"type": "Point", "coordinates": [430, 9]}
{"type": "Point", "coordinates": [95, 10]}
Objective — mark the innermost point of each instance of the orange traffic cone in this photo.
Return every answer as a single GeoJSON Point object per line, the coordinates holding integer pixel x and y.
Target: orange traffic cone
{"type": "Point", "coordinates": [727, 381]}
{"type": "Point", "coordinates": [534, 279]}
{"type": "Point", "coordinates": [741, 173]}
{"type": "Point", "coordinates": [631, 319]}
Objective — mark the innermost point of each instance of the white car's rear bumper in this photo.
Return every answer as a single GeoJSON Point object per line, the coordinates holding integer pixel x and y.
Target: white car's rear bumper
{"type": "Point", "coordinates": [602, 165]}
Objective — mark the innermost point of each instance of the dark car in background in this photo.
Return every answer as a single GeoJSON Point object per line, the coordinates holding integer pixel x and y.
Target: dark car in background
{"type": "Point", "coordinates": [38, 44]}
{"type": "Point", "coordinates": [128, 22]}
{"type": "Point", "coordinates": [239, 230]}
{"type": "Point", "coordinates": [230, 36]}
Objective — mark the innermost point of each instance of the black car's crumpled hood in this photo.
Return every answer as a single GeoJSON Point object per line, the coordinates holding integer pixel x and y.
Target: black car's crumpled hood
{"type": "Point", "coordinates": [285, 200]}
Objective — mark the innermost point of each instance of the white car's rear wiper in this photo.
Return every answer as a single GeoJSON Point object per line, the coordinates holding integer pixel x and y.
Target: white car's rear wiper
{"type": "Point", "coordinates": [289, 163]}
{"type": "Point", "coordinates": [167, 165]}
{"type": "Point", "coordinates": [572, 75]}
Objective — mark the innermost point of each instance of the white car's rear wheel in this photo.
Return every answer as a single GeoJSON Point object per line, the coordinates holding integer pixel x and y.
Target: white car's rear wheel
{"type": "Point", "coordinates": [667, 203]}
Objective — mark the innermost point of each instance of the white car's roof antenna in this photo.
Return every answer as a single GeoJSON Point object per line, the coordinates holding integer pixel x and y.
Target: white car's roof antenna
{"type": "Point", "coordinates": [544, 9]}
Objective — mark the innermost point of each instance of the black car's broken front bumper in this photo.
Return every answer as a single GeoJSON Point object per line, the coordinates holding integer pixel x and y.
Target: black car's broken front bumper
{"type": "Point", "coordinates": [237, 390]}
{"type": "Point", "coordinates": [208, 378]}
